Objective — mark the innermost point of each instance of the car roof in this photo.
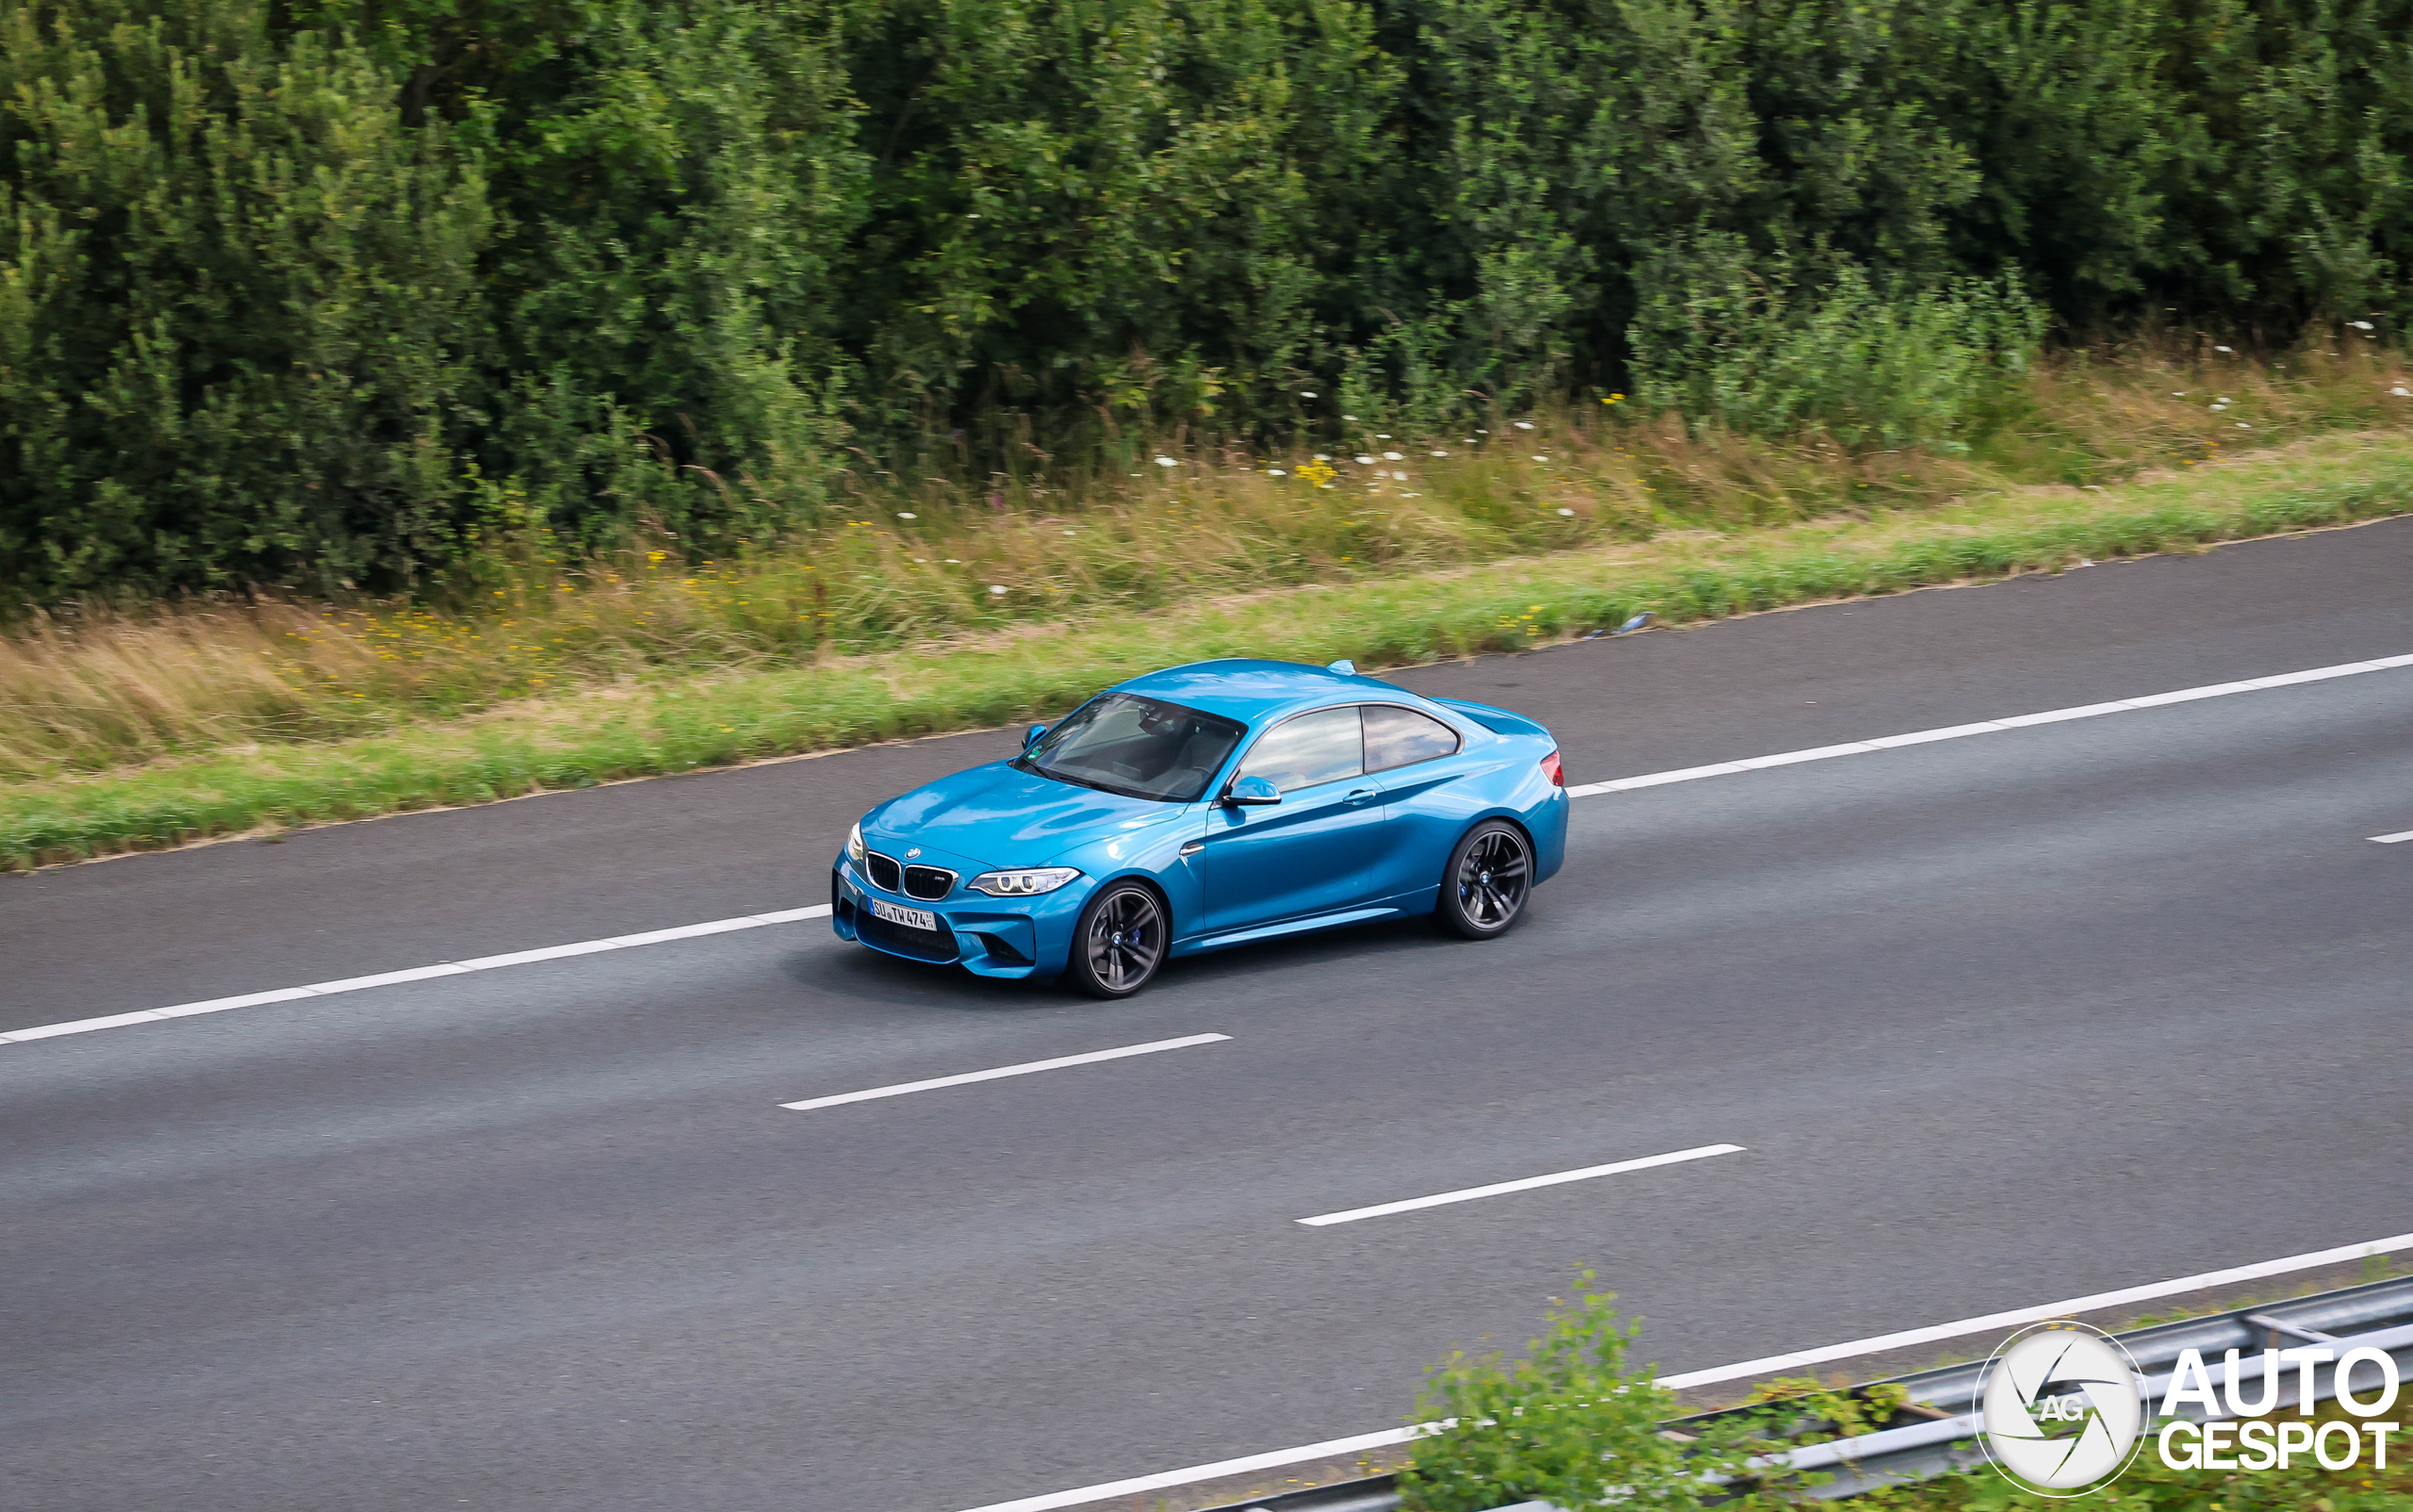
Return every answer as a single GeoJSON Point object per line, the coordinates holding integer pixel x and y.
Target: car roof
{"type": "Point", "coordinates": [1254, 691]}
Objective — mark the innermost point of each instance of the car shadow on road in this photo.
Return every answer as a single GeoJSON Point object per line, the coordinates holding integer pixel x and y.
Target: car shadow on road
{"type": "Point", "coordinates": [861, 975]}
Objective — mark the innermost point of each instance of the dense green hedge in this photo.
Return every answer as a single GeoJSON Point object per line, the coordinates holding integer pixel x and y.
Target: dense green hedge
{"type": "Point", "coordinates": [328, 294]}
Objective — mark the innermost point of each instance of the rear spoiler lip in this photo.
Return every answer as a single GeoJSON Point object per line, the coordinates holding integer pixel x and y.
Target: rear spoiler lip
{"type": "Point", "coordinates": [1499, 721]}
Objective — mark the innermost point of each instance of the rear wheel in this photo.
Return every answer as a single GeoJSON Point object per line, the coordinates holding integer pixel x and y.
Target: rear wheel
{"type": "Point", "coordinates": [1119, 942]}
{"type": "Point", "coordinates": [1490, 876]}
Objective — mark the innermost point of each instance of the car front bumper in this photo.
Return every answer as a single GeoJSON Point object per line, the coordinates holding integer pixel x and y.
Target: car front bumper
{"type": "Point", "coordinates": [987, 936]}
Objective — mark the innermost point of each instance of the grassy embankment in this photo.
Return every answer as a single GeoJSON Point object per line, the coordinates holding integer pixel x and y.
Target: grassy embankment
{"type": "Point", "coordinates": [1548, 1427]}
{"type": "Point", "coordinates": [124, 731]}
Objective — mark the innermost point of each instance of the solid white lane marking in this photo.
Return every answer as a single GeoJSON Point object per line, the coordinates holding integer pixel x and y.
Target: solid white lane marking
{"type": "Point", "coordinates": [389, 978]}
{"type": "Point", "coordinates": [1985, 727]}
{"type": "Point", "coordinates": [1623, 784]}
{"type": "Point", "coordinates": [2393, 840]}
{"type": "Point", "coordinates": [1086, 1058]}
{"type": "Point", "coordinates": [1526, 1184]}
{"type": "Point", "coordinates": [1333, 1448]}
{"type": "Point", "coordinates": [1137, 1485]}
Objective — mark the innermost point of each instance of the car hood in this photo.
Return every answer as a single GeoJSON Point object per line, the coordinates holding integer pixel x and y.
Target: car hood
{"type": "Point", "coordinates": [998, 815]}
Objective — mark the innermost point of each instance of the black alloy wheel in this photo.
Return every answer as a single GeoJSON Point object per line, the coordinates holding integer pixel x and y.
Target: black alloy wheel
{"type": "Point", "coordinates": [1120, 942]}
{"type": "Point", "coordinates": [1490, 876]}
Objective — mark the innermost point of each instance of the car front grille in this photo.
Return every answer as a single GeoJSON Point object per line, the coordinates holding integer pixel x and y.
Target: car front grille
{"type": "Point", "coordinates": [930, 882]}
{"type": "Point", "coordinates": [882, 871]}
{"type": "Point", "coordinates": [922, 944]}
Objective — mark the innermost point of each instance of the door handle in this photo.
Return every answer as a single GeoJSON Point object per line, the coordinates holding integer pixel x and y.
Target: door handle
{"type": "Point", "coordinates": [1193, 847]}
{"type": "Point", "coordinates": [1363, 795]}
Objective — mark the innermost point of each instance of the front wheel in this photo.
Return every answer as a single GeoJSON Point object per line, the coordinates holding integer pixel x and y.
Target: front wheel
{"type": "Point", "coordinates": [1119, 942]}
{"type": "Point", "coordinates": [1490, 876]}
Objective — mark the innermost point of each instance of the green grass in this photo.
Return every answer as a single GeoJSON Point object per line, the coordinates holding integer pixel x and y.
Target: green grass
{"type": "Point", "coordinates": [646, 728]}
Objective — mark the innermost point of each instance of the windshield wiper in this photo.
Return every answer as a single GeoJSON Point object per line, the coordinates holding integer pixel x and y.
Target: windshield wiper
{"type": "Point", "coordinates": [1025, 763]}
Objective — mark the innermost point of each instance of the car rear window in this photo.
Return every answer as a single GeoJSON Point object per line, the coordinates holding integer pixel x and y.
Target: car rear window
{"type": "Point", "coordinates": [1402, 737]}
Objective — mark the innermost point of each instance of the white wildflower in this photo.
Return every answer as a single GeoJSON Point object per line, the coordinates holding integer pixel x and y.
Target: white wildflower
{"type": "Point", "coordinates": [2401, 392]}
{"type": "Point", "coordinates": [906, 513]}
{"type": "Point", "coordinates": [1275, 472]}
{"type": "Point", "coordinates": [1167, 462]}
{"type": "Point", "coordinates": [1392, 456]}
{"type": "Point", "coordinates": [2232, 351]}
{"type": "Point", "coordinates": [2242, 426]}
{"type": "Point", "coordinates": [1440, 453]}
{"type": "Point", "coordinates": [1524, 425]}
{"type": "Point", "coordinates": [2360, 325]}
{"type": "Point", "coordinates": [1321, 457]}
{"type": "Point", "coordinates": [1401, 476]}
{"type": "Point", "coordinates": [996, 587]}
{"type": "Point", "coordinates": [1365, 462]}
{"type": "Point", "coordinates": [1306, 393]}
{"type": "Point", "coordinates": [1567, 512]}
{"type": "Point", "coordinates": [1540, 459]}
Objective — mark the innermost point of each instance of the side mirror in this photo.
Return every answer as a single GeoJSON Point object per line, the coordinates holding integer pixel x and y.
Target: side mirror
{"type": "Point", "coordinates": [1254, 793]}
{"type": "Point", "coordinates": [1030, 736]}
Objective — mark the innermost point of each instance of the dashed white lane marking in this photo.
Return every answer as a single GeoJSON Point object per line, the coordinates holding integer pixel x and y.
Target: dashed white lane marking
{"type": "Point", "coordinates": [1334, 1447]}
{"type": "Point", "coordinates": [1988, 727]}
{"type": "Point", "coordinates": [389, 978]}
{"type": "Point", "coordinates": [2393, 840]}
{"type": "Point", "coordinates": [1526, 1184]}
{"type": "Point", "coordinates": [1025, 1069]}
{"type": "Point", "coordinates": [1689, 774]}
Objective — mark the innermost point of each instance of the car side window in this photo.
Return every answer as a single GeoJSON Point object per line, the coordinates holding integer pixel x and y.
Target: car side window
{"type": "Point", "coordinates": [1322, 746]}
{"type": "Point", "coordinates": [1402, 737]}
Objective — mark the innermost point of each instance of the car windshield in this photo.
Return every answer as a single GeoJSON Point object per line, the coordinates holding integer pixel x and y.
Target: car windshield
{"type": "Point", "coordinates": [1135, 747]}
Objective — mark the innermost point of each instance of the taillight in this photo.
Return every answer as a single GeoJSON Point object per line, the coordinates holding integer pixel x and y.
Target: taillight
{"type": "Point", "coordinates": [1551, 770]}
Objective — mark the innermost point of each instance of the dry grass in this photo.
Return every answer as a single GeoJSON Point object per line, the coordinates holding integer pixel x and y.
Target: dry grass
{"type": "Point", "coordinates": [601, 733]}
{"type": "Point", "coordinates": [98, 688]}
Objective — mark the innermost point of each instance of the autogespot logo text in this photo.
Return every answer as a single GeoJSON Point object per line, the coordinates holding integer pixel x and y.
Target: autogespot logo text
{"type": "Point", "coordinates": [2062, 1411]}
{"type": "Point", "coordinates": [2061, 1408]}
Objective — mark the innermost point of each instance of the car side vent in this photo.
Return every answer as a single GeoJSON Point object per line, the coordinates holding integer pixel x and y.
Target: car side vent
{"type": "Point", "coordinates": [928, 882]}
{"type": "Point", "coordinates": [882, 870]}
{"type": "Point", "coordinates": [1001, 952]}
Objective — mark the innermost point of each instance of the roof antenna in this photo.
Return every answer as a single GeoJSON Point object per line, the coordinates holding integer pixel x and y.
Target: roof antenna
{"type": "Point", "coordinates": [1344, 668]}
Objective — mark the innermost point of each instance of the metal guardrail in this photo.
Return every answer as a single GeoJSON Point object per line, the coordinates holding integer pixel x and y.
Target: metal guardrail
{"type": "Point", "coordinates": [1935, 1434]}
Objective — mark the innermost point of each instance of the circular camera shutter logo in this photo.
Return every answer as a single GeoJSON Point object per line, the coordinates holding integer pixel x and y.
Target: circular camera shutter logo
{"type": "Point", "coordinates": [2061, 1408]}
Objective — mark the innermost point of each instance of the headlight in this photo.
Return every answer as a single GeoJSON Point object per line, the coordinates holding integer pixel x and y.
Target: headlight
{"type": "Point", "coordinates": [1028, 882]}
{"type": "Point", "coordinates": [855, 844]}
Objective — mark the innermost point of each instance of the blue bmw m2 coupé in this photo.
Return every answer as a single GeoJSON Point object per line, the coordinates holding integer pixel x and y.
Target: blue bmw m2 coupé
{"type": "Point", "coordinates": [1207, 806]}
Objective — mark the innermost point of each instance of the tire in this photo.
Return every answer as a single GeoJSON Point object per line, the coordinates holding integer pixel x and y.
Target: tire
{"type": "Point", "coordinates": [1489, 878]}
{"type": "Point", "coordinates": [1120, 940]}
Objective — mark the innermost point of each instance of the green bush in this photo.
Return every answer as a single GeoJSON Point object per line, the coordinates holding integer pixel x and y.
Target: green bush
{"type": "Point", "coordinates": [1924, 365]}
{"type": "Point", "coordinates": [1567, 1425]}
{"type": "Point", "coordinates": [333, 292]}
{"type": "Point", "coordinates": [240, 313]}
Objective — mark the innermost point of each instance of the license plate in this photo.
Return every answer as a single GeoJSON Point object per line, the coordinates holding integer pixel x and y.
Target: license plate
{"type": "Point", "coordinates": [911, 918]}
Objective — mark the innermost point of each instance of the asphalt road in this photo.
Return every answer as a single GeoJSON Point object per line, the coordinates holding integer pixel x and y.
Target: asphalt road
{"type": "Point", "coordinates": [1998, 1020]}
